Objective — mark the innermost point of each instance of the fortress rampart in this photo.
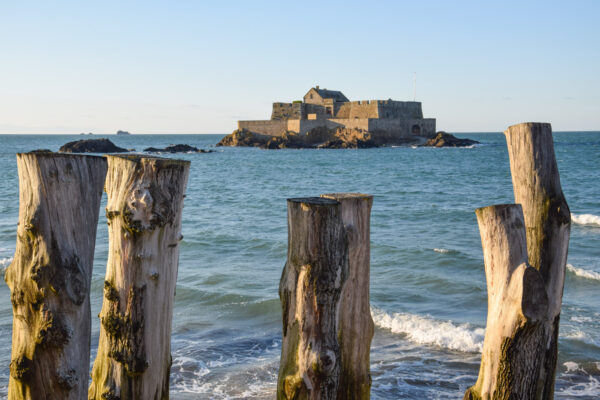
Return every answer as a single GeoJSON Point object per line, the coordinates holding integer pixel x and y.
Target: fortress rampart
{"type": "Point", "coordinates": [331, 109]}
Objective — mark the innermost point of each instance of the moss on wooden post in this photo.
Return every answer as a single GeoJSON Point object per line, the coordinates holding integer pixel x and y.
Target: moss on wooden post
{"type": "Point", "coordinates": [50, 276]}
{"type": "Point", "coordinates": [513, 348]}
{"type": "Point", "coordinates": [356, 326]}
{"type": "Point", "coordinates": [310, 290]}
{"type": "Point", "coordinates": [145, 201]}
{"type": "Point", "coordinates": [536, 184]}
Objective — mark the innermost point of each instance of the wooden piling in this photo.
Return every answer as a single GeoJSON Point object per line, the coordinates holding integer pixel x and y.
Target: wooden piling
{"type": "Point", "coordinates": [145, 201]}
{"type": "Point", "coordinates": [356, 326]}
{"type": "Point", "coordinates": [513, 349]}
{"type": "Point", "coordinates": [310, 290]}
{"type": "Point", "coordinates": [50, 276]}
{"type": "Point", "coordinates": [536, 184]}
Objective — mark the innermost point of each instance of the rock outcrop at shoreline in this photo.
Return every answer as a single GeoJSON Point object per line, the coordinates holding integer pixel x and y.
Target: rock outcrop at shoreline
{"type": "Point", "coordinates": [338, 138]}
{"type": "Point", "coordinates": [317, 138]}
{"type": "Point", "coordinates": [177, 148]}
{"type": "Point", "coordinates": [443, 139]}
{"type": "Point", "coordinates": [92, 146]}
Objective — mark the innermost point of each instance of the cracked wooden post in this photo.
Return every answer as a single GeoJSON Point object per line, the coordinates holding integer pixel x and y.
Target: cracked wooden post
{"type": "Point", "coordinates": [536, 185]}
{"type": "Point", "coordinates": [50, 276]}
{"type": "Point", "coordinates": [356, 324]}
{"type": "Point", "coordinates": [310, 290]}
{"type": "Point", "coordinates": [513, 348]}
{"type": "Point", "coordinates": [145, 201]}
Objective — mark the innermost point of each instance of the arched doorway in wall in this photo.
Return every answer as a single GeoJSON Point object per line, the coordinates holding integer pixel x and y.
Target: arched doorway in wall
{"type": "Point", "coordinates": [416, 129]}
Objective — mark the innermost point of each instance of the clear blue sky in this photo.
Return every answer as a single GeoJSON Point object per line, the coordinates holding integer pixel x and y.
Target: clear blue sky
{"type": "Point", "coordinates": [197, 67]}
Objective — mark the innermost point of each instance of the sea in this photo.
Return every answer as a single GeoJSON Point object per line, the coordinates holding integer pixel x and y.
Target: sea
{"type": "Point", "coordinates": [428, 293]}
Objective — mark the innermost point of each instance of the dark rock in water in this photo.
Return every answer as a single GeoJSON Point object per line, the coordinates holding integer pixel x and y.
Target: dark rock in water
{"type": "Point", "coordinates": [245, 138]}
{"type": "Point", "coordinates": [123, 133]}
{"type": "Point", "coordinates": [92, 146]}
{"type": "Point", "coordinates": [40, 151]}
{"type": "Point", "coordinates": [274, 143]}
{"type": "Point", "coordinates": [177, 148]}
{"type": "Point", "coordinates": [444, 139]}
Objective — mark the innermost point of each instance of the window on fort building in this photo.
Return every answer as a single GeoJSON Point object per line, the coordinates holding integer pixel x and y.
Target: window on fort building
{"type": "Point", "coordinates": [416, 129]}
{"type": "Point", "coordinates": [328, 110]}
{"type": "Point", "coordinates": [311, 95]}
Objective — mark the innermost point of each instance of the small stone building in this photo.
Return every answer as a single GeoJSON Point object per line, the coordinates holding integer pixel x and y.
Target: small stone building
{"type": "Point", "coordinates": [331, 109]}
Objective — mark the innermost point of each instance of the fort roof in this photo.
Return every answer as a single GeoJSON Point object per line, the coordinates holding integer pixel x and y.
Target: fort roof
{"type": "Point", "coordinates": [331, 94]}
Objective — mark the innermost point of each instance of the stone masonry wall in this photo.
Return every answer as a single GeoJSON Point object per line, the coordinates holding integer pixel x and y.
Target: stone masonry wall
{"type": "Point", "coordinates": [398, 127]}
{"type": "Point", "coordinates": [286, 111]}
{"type": "Point", "coordinates": [273, 128]}
{"type": "Point", "coordinates": [399, 109]}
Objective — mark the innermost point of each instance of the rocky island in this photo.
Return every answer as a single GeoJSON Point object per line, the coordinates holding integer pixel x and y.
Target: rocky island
{"type": "Point", "coordinates": [327, 119]}
{"type": "Point", "coordinates": [177, 148]}
{"type": "Point", "coordinates": [92, 146]}
{"type": "Point", "coordinates": [443, 139]}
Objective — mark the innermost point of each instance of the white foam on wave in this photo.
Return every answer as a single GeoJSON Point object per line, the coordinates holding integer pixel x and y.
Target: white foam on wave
{"type": "Point", "coordinates": [581, 336]}
{"type": "Point", "coordinates": [429, 331]}
{"type": "Point", "coordinates": [583, 273]}
{"type": "Point", "coordinates": [581, 319]}
{"type": "Point", "coordinates": [4, 263]}
{"type": "Point", "coordinates": [443, 251]}
{"type": "Point", "coordinates": [580, 389]}
{"type": "Point", "coordinates": [586, 219]}
{"type": "Point", "coordinates": [571, 366]}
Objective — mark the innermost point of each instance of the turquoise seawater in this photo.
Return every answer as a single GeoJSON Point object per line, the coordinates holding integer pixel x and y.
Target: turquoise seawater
{"type": "Point", "coordinates": [428, 292]}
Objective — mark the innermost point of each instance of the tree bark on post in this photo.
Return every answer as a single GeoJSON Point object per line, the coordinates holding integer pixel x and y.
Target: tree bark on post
{"type": "Point", "coordinates": [513, 348]}
{"type": "Point", "coordinates": [50, 276]}
{"type": "Point", "coordinates": [537, 188]}
{"type": "Point", "coordinates": [310, 290]}
{"type": "Point", "coordinates": [356, 324]}
{"type": "Point", "coordinates": [145, 201]}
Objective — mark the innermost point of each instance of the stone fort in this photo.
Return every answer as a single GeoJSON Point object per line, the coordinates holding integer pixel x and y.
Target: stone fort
{"type": "Point", "coordinates": [331, 109]}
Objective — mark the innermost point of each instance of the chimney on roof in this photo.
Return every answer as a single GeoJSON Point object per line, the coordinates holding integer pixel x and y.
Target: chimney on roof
{"type": "Point", "coordinates": [317, 87]}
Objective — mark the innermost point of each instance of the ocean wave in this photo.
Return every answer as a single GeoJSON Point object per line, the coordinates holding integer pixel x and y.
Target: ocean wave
{"type": "Point", "coordinates": [586, 219]}
{"type": "Point", "coordinates": [441, 250]}
{"type": "Point", "coordinates": [584, 273]}
{"type": "Point", "coordinates": [4, 263]}
{"type": "Point", "coordinates": [587, 389]}
{"type": "Point", "coordinates": [580, 336]}
{"type": "Point", "coordinates": [429, 331]}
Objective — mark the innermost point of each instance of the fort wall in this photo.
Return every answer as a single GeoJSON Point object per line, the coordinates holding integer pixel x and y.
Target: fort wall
{"type": "Point", "coordinates": [286, 111]}
{"type": "Point", "coordinates": [399, 109]}
{"type": "Point", "coordinates": [267, 127]}
{"type": "Point", "coordinates": [398, 127]}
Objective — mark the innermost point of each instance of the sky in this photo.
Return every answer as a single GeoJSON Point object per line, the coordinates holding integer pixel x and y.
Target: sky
{"type": "Point", "coordinates": [199, 66]}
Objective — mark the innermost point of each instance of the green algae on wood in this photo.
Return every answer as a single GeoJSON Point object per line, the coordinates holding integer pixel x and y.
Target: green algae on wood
{"type": "Point", "coordinates": [50, 276]}
{"type": "Point", "coordinates": [356, 327]}
{"type": "Point", "coordinates": [324, 290]}
{"type": "Point", "coordinates": [537, 187]}
{"type": "Point", "coordinates": [310, 289]}
{"type": "Point", "coordinates": [517, 309]}
{"type": "Point", "coordinates": [145, 201]}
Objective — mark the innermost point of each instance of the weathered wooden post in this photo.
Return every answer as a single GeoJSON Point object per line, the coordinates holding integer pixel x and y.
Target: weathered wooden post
{"type": "Point", "coordinates": [310, 290]}
{"type": "Point", "coordinates": [513, 348]}
{"type": "Point", "coordinates": [356, 326]}
{"type": "Point", "coordinates": [145, 201]}
{"type": "Point", "coordinates": [50, 276]}
{"type": "Point", "coordinates": [537, 188]}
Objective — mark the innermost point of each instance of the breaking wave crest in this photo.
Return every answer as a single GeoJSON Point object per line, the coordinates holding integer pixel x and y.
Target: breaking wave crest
{"type": "Point", "coordinates": [4, 263]}
{"type": "Point", "coordinates": [586, 219]}
{"type": "Point", "coordinates": [429, 331]}
{"type": "Point", "coordinates": [584, 273]}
